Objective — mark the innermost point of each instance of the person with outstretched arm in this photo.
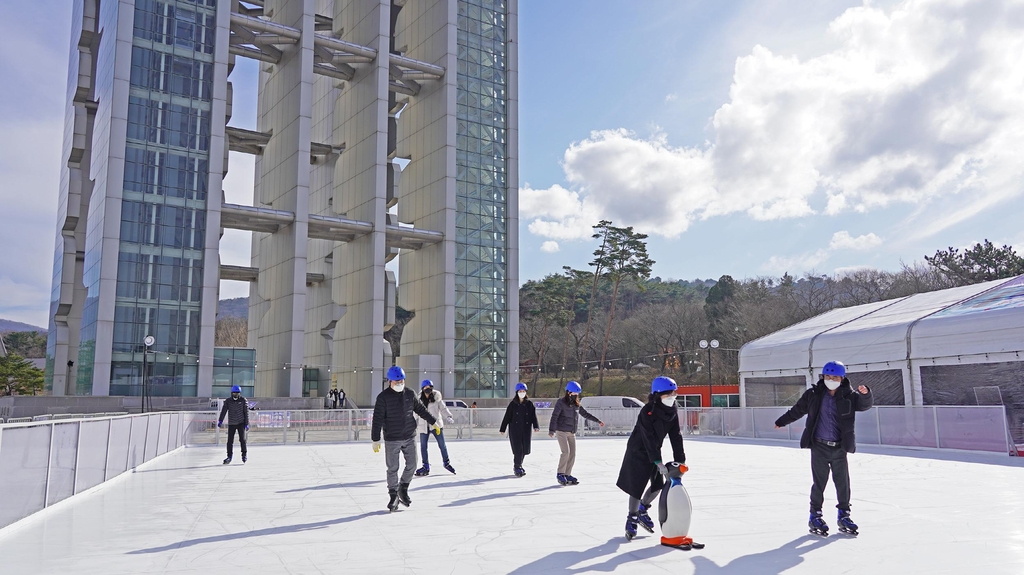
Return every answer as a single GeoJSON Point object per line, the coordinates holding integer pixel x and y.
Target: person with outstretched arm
{"type": "Point", "coordinates": [237, 410]}
{"type": "Point", "coordinates": [392, 416]}
{"type": "Point", "coordinates": [831, 406]}
{"type": "Point", "coordinates": [564, 419]}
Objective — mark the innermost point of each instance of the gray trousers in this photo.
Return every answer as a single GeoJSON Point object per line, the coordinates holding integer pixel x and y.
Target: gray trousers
{"type": "Point", "coordinates": [567, 443]}
{"type": "Point", "coordinates": [407, 447]}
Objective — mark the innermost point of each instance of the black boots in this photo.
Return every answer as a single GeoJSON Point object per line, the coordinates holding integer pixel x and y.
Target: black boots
{"type": "Point", "coordinates": [403, 494]}
{"type": "Point", "coordinates": [393, 504]}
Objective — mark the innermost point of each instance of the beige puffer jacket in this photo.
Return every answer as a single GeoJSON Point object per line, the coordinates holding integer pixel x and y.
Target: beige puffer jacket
{"type": "Point", "coordinates": [436, 408]}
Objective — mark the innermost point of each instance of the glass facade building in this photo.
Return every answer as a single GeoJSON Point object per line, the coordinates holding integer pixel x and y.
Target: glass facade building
{"type": "Point", "coordinates": [149, 136]}
{"type": "Point", "coordinates": [481, 298]}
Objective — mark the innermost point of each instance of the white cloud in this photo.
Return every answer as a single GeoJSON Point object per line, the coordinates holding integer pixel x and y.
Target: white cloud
{"type": "Point", "coordinates": [549, 247]}
{"type": "Point", "coordinates": [798, 263]}
{"type": "Point", "coordinates": [844, 241]}
{"type": "Point", "coordinates": [916, 103]}
{"type": "Point", "coordinates": [671, 97]}
{"type": "Point", "coordinates": [557, 213]}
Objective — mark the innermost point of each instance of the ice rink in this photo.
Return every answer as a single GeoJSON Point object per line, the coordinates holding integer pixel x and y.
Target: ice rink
{"type": "Point", "coordinates": [321, 509]}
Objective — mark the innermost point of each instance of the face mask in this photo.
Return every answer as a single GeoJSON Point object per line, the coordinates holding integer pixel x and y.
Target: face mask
{"type": "Point", "coordinates": [399, 387]}
{"type": "Point", "coordinates": [521, 394]}
{"type": "Point", "coordinates": [832, 384]}
{"type": "Point", "coordinates": [668, 401]}
{"type": "Point", "coordinates": [234, 395]}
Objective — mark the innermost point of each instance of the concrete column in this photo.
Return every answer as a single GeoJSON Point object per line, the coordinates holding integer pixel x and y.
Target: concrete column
{"type": "Point", "coordinates": [427, 135]}
{"type": "Point", "coordinates": [285, 110]}
{"type": "Point", "coordinates": [360, 178]}
{"type": "Point", "coordinates": [219, 114]}
{"type": "Point", "coordinates": [512, 217]}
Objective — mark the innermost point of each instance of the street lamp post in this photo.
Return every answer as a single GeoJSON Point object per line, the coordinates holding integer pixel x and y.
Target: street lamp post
{"type": "Point", "coordinates": [713, 344]}
{"type": "Point", "coordinates": [149, 341]}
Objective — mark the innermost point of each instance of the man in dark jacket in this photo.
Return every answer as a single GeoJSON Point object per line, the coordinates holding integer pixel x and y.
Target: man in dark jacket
{"type": "Point", "coordinates": [831, 406]}
{"type": "Point", "coordinates": [392, 413]}
{"type": "Point", "coordinates": [642, 462]}
{"type": "Point", "coordinates": [237, 410]}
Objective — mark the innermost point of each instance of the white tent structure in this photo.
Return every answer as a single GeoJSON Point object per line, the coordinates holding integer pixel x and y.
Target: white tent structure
{"type": "Point", "coordinates": [959, 346]}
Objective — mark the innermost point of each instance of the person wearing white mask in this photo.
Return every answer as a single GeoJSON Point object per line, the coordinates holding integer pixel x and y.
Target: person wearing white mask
{"type": "Point", "coordinates": [642, 463]}
{"type": "Point", "coordinates": [831, 406]}
{"type": "Point", "coordinates": [521, 421]}
{"type": "Point", "coordinates": [392, 415]}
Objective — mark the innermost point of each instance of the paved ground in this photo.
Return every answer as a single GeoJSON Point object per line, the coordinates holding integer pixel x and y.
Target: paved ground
{"type": "Point", "coordinates": [321, 509]}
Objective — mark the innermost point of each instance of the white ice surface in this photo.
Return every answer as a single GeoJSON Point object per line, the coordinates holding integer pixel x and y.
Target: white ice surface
{"type": "Point", "coordinates": [321, 509]}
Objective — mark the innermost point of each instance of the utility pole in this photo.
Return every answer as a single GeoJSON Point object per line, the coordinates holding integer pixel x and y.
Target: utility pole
{"type": "Point", "coordinates": [704, 344]}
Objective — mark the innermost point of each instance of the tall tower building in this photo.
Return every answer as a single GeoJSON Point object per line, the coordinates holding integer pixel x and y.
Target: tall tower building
{"type": "Point", "coordinates": [385, 129]}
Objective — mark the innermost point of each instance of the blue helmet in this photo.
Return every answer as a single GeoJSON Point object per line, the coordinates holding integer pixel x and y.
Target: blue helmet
{"type": "Point", "coordinates": [236, 389]}
{"type": "Point", "coordinates": [573, 387]}
{"type": "Point", "coordinates": [834, 368]}
{"type": "Point", "coordinates": [520, 386]}
{"type": "Point", "coordinates": [662, 384]}
{"type": "Point", "coordinates": [426, 383]}
{"type": "Point", "coordinates": [396, 373]}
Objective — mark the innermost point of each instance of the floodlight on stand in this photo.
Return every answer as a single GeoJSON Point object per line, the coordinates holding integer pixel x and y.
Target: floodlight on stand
{"type": "Point", "coordinates": [703, 344]}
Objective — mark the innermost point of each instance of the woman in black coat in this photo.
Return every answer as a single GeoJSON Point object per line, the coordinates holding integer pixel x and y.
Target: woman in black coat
{"type": "Point", "coordinates": [642, 462]}
{"type": "Point", "coordinates": [520, 417]}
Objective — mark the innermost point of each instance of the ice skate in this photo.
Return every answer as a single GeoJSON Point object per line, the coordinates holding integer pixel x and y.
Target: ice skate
{"type": "Point", "coordinates": [645, 519]}
{"type": "Point", "coordinates": [422, 471]}
{"type": "Point", "coordinates": [449, 467]}
{"type": "Point", "coordinates": [227, 460]}
{"type": "Point", "coordinates": [846, 525]}
{"type": "Point", "coordinates": [631, 521]}
{"type": "Point", "coordinates": [571, 480]}
{"type": "Point", "coordinates": [561, 479]}
{"type": "Point", "coordinates": [519, 471]}
{"type": "Point", "coordinates": [817, 525]}
{"type": "Point", "coordinates": [403, 494]}
{"type": "Point", "coordinates": [393, 504]}
{"type": "Point", "coordinates": [245, 458]}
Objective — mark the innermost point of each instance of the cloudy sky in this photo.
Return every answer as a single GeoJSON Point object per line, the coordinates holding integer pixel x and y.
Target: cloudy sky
{"type": "Point", "coordinates": [747, 138]}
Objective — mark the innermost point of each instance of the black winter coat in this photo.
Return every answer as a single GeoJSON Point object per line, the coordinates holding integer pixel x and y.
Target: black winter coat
{"type": "Point", "coordinates": [393, 412]}
{"type": "Point", "coordinates": [643, 449]}
{"type": "Point", "coordinates": [520, 420]}
{"type": "Point", "coordinates": [565, 416]}
{"type": "Point", "coordinates": [848, 403]}
{"type": "Point", "coordinates": [237, 411]}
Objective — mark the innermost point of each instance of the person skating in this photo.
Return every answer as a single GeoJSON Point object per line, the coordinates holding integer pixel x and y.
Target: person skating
{"type": "Point", "coordinates": [393, 414]}
{"type": "Point", "coordinates": [434, 403]}
{"type": "Point", "coordinates": [564, 418]}
{"type": "Point", "coordinates": [831, 406]}
{"type": "Point", "coordinates": [237, 410]}
{"type": "Point", "coordinates": [521, 421]}
{"type": "Point", "coordinates": [642, 461]}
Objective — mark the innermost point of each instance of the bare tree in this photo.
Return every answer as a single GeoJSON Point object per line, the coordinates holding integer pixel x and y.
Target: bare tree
{"type": "Point", "coordinates": [231, 332]}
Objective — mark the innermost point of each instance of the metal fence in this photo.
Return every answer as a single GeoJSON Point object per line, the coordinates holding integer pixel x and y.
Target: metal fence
{"type": "Point", "coordinates": [976, 428]}
{"type": "Point", "coordinates": [44, 462]}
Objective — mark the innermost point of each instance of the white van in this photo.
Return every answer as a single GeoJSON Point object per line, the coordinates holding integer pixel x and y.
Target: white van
{"type": "Point", "coordinates": [618, 412]}
{"type": "Point", "coordinates": [609, 401]}
{"type": "Point", "coordinates": [456, 403]}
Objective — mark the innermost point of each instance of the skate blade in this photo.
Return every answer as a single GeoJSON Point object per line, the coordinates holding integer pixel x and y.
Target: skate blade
{"type": "Point", "coordinates": [849, 532]}
{"type": "Point", "coordinates": [818, 532]}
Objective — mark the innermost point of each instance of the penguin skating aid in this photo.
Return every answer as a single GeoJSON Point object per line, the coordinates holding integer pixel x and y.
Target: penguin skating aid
{"type": "Point", "coordinates": [675, 510]}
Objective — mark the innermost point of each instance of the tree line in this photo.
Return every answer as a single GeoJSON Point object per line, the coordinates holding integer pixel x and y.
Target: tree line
{"type": "Point", "coordinates": [581, 323]}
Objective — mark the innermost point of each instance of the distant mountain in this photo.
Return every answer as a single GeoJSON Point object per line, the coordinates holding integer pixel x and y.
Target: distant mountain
{"type": "Point", "coordinates": [10, 325]}
{"type": "Point", "coordinates": [236, 307]}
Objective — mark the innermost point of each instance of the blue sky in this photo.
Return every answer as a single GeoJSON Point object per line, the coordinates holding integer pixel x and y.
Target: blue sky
{"type": "Point", "coordinates": [746, 137]}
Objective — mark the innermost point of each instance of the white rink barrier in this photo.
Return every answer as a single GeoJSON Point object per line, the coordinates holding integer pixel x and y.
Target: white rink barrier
{"type": "Point", "coordinates": [44, 462]}
{"type": "Point", "coordinates": [974, 428]}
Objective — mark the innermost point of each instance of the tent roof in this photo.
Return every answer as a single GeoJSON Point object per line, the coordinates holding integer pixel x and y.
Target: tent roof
{"type": "Point", "coordinates": [925, 325]}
